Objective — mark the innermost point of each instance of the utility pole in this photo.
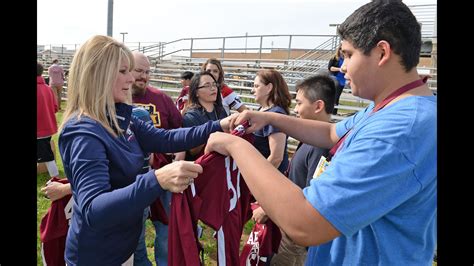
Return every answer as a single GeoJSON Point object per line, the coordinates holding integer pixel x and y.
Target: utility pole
{"type": "Point", "coordinates": [110, 17]}
{"type": "Point", "coordinates": [336, 43]}
{"type": "Point", "coordinates": [123, 36]}
{"type": "Point", "coordinates": [246, 34]}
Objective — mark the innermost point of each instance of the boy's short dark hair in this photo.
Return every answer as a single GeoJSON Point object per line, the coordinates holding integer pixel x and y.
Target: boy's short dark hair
{"type": "Point", "coordinates": [39, 69]}
{"type": "Point", "coordinates": [319, 87]}
{"type": "Point", "coordinates": [187, 75]}
{"type": "Point", "coordinates": [391, 21]}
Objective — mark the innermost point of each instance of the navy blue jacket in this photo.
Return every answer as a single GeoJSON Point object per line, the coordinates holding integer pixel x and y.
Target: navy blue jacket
{"type": "Point", "coordinates": [109, 193]}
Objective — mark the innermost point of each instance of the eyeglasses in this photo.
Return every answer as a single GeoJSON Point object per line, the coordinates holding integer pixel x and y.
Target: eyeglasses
{"type": "Point", "coordinates": [209, 86]}
{"type": "Point", "coordinates": [140, 71]}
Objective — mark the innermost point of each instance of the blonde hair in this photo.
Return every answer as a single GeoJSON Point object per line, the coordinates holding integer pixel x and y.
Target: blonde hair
{"type": "Point", "coordinates": [92, 75]}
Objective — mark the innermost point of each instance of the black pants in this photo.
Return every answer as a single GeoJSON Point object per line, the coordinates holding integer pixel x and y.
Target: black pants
{"type": "Point", "coordinates": [44, 153]}
{"type": "Point", "coordinates": [339, 89]}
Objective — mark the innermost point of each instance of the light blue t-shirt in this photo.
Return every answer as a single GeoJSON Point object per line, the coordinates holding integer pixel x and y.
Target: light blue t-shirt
{"type": "Point", "coordinates": [379, 191]}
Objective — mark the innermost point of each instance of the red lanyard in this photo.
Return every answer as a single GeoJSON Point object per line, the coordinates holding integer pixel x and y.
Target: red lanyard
{"type": "Point", "coordinates": [379, 106]}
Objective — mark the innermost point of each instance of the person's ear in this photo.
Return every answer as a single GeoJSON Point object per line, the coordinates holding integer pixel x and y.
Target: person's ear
{"type": "Point", "coordinates": [270, 87]}
{"type": "Point", "coordinates": [385, 50]}
{"type": "Point", "coordinates": [318, 106]}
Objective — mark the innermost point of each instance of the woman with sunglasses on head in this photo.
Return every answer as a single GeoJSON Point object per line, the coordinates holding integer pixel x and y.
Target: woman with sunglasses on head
{"type": "Point", "coordinates": [230, 99]}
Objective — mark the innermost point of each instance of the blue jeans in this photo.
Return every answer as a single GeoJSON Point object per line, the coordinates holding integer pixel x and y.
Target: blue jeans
{"type": "Point", "coordinates": [161, 239]}
{"type": "Point", "coordinates": [141, 256]}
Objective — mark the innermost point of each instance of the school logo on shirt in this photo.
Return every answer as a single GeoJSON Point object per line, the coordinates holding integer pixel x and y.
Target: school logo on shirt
{"type": "Point", "coordinates": [154, 115]}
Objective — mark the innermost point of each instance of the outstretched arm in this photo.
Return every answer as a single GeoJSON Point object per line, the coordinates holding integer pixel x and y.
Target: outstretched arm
{"type": "Point", "coordinates": [316, 133]}
{"type": "Point", "coordinates": [275, 193]}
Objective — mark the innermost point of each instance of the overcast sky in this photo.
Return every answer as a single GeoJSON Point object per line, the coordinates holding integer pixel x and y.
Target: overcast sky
{"type": "Point", "coordinates": [74, 21]}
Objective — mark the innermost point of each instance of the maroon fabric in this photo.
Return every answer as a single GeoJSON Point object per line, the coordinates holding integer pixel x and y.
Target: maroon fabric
{"type": "Point", "coordinates": [182, 98]}
{"type": "Point", "coordinates": [220, 192]}
{"type": "Point", "coordinates": [183, 246]}
{"type": "Point", "coordinates": [46, 107]}
{"type": "Point", "coordinates": [53, 229]}
{"type": "Point", "coordinates": [262, 243]}
{"type": "Point", "coordinates": [210, 205]}
{"type": "Point", "coordinates": [161, 107]}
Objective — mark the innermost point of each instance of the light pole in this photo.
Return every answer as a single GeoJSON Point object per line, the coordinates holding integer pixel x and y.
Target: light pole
{"type": "Point", "coordinates": [246, 34]}
{"type": "Point", "coordinates": [337, 39]}
{"type": "Point", "coordinates": [110, 17]}
{"type": "Point", "coordinates": [123, 36]}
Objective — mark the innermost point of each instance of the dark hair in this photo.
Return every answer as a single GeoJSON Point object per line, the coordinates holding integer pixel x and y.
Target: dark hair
{"type": "Point", "coordinates": [391, 21]}
{"type": "Point", "coordinates": [55, 61]}
{"type": "Point", "coordinates": [187, 75]}
{"type": "Point", "coordinates": [193, 88]}
{"type": "Point", "coordinates": [279, 95]}
{"type": "Point", "coordinates": [319, 87]}
{"type": "Point", "coordinates": [39, 69]}
{"type": "Point", "coordinates": [216, 62]}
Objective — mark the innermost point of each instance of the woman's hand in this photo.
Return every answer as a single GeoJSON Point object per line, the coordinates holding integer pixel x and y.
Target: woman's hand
{"type": "Point", "coordinates": [226, 123]}
{"type": "Point", "coordinates": [56, 190]}
{"type": "Point", "coordinates": [178, 175]}
{"type": "Point", "coordinates": [259, 215]}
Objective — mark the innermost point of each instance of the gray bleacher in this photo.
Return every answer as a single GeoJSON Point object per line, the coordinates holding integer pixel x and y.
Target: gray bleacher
{"type": "Point", "coordinates": [240, 71]}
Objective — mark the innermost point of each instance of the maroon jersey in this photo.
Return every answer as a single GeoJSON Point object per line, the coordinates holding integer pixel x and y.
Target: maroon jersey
{"type": "Point", "coordinates": [262, 243]}
{"type": "Point", "coordinates": [182, 98]}
{"type": "Point", "coordinates": [53, 229]}
{"type": "Point", "coordinates": [219, 198]}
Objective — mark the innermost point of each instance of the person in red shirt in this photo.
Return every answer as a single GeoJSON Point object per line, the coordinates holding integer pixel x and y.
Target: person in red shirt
{"type": "Point", "coordinates": [182, 100]}
{"type": "Point", "coordinates": [230, 99]}
{"type": "Point", "coordinates": [46, 126]}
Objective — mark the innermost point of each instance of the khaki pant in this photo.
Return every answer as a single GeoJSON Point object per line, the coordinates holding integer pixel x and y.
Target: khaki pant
{"type": "Point", "coordinates": [57, 91]}
{"type": "Point", "coordinates": [289, 253]}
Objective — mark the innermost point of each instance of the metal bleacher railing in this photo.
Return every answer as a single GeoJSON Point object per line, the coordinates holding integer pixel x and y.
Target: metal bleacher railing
{"type": "Point", "coordinates": [295, 56]}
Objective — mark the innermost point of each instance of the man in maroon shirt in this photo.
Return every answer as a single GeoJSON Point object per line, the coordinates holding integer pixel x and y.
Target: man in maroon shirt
{"type": "Point", "coordinates": [164, 114]}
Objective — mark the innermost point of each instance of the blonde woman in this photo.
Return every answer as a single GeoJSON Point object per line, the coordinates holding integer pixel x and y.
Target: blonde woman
{"type": "Point", "coordinates": [102, 149]}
